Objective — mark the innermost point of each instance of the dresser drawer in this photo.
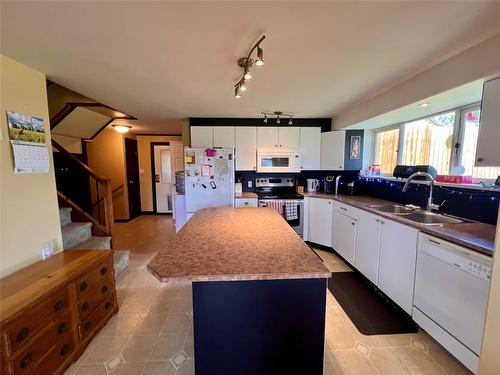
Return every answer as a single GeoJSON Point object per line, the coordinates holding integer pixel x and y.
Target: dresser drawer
{"type": "Point", "coordinates": [94, 277]}
{"type": "Point", "coordinates": [100, 313]}
{"type": "Point", "coordinates": [56, 357]}
{"type": "Point", "coordinates": [345, 209]}
{"type": "Point", "coordinates": [90, 302]}
{"type": "Point", "coordinates": [26, 360]}
{"type": "Point", "coordinates": [28, 324]}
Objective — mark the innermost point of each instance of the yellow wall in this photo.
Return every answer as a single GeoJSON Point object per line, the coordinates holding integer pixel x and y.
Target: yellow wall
{"type": "Point", "coordinates": [144, 151]}
{"type": "Point", "coordinates": [29, 214]}
{"type": "Point", "coordinates": [490, 359]}
{"type": "Point", "coordinates": [106, 156]}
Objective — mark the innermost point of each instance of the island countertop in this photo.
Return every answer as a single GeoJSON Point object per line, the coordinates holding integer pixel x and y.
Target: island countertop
{"type": "Point", "coordinates": [226, 244]}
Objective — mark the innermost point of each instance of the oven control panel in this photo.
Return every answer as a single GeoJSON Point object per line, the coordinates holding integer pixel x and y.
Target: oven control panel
{"type": "Point", "coordinates": [274, 181]}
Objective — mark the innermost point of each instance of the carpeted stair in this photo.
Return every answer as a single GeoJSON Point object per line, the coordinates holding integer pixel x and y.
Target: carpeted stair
{"type": "Point", "coordinates": [78, 235]}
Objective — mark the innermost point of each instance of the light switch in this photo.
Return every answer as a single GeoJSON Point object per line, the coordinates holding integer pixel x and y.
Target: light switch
{"type": "Point", "coordinates": [250, 184]}
{"type": "Point", "coordinates": [47, 250]}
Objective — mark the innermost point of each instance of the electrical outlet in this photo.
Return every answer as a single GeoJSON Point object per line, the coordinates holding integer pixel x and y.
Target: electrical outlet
{"type": "Point", "coordinates": [250, 184]}
{"type": "Point", "coordinates": [47, 250]}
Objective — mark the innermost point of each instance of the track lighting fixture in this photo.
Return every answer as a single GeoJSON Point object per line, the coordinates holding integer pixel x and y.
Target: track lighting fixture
{"type": "Point", "coordinates": [246, 63]}
{"type": "Point", "coordinates": [278, 115]}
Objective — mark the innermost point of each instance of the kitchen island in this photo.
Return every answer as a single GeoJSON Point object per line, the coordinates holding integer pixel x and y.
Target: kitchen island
{"type": "Point", "coordinates": [259, 292]}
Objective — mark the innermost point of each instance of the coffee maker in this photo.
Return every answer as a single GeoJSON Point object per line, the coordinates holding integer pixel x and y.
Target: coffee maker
{"type": "Point", "coordinates": [329, 184]}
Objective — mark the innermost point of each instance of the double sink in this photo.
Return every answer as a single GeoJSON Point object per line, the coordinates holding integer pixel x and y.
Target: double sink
{"type": "Point", "coordinates": [417, 215]}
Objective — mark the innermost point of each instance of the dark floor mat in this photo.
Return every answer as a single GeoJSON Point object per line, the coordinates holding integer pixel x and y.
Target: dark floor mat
{"type": "Point", "coordinates": [367, 308]}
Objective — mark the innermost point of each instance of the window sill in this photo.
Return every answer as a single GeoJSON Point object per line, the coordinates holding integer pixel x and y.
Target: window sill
{"type": "Point", "coordinates": [473, 186]}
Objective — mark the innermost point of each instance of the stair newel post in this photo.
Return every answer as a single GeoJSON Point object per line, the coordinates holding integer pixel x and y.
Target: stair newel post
{"type": "Point", "coordinates": [108, 206]}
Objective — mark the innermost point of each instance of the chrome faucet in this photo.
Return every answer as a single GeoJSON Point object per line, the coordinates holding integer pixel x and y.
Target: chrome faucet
{"type": "Point", "coordinates": [430, 204]}
{"type": "Point", "coordinates": [337, 180]}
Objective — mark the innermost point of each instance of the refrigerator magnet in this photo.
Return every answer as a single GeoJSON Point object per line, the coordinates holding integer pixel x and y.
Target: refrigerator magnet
{"type": "Point", "coordinates": [212, 184]}
{"type": "Point", "coordinates": [206, 170]}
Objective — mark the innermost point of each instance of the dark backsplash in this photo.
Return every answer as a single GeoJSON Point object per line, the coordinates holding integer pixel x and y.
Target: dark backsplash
{"type": "Point", "coordinates": [480, 205]}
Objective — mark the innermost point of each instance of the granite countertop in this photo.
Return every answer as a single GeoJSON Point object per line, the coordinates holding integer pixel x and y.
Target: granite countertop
{"type": "Point", "coordinates": [224, 244]}
{"type": "Point", "coordinates": [246, 194]}
{"type": "Point", "coordinates": [473, 235]}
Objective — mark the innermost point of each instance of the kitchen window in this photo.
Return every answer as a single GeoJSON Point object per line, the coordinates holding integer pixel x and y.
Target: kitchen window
{"type": "Point", "coordinates": [446, 140]}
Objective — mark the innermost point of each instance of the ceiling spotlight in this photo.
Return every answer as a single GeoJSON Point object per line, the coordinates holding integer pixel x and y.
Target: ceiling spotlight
{"type": "Point", "coordinates": [243, 86]}
{"type": "Point", "coordinates": [290, 121]}
{"type": "Point", "coordinates": [423, 105]}
{"type": "Point", "coordinates": [265, 118]}
{"type": "Point", "coordinates": [122, 128]}
{"type": "Point", "coordinates": [278, 119]}
{"type": "Point", "coordinates": [237, 94]}
{"type": "Point", "coordinates": [247, 75]}
{"type": "Point", "coordinates": [260, 57]}
{"type": "Point", "coordinates": [278, 115]}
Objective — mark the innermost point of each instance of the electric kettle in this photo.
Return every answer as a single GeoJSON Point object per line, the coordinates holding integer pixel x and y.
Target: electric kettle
{"type": "Point", "coordinates": [313, 185]}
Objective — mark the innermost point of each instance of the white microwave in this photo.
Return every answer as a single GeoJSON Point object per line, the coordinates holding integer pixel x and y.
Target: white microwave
{"type": "Point", "coordinates": [284, 161]}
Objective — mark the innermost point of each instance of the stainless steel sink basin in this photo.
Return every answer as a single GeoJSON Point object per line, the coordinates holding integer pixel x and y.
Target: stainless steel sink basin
{"type": "Point", "coordinates": [431, 218]}
{"type": "Point", "coordinates": [396, 209]}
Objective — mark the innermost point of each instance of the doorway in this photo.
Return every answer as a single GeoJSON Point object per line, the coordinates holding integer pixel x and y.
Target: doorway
{"type": "Point", "coordinates": [132, 162]}
{"type": "Point", "coordinates": [161, 169]}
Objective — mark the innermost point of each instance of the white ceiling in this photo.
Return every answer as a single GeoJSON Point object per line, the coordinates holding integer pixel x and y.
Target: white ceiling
{"type": "Point", "coordinates": [171, 60]}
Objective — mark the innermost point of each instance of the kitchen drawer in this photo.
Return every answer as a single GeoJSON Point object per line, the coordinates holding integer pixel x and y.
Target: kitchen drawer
{"type": "Point", "coordinates": [347, 210]}
{"type": "Point", "coordinates": [31, 322]}
{"type": "Point", "coordinates": [245, 202]}
{"type": "Point", "coordinates": [87, 282]}
{"type": "Point", "coordinates": [100, 313]}
{"type": "Point", "coordinates": [27, 360]}
{"type": "Point", "coordinates": [95, 297]}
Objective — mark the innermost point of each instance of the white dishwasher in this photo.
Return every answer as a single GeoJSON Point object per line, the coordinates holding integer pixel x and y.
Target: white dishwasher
{"type": "Point", "coordinates": [451, 296]}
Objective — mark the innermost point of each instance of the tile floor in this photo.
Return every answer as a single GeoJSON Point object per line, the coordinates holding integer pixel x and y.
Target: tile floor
{"type": "Point", "coordinates": [152, 333]}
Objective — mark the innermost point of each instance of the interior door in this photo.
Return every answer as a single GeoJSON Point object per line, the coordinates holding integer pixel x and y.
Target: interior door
{"type": "Point", "coordinates": [132, 162]}
{"type": "Point", "coordinates": [163, 179]}
{"type": "Point", "coordinates": [177, 165]}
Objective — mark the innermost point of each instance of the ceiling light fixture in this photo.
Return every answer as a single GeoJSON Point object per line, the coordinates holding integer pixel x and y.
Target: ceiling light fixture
{"type": "Point", "coordinates": [423, 105]}
{"type": "Point", "coordinates": [237, 94]}
{"type": "Point", "coordinates": [246, 64]}
{"type": "Point", "coordinates": [278, 115]}
{"type": "Point", "coordinates": [122, 128]}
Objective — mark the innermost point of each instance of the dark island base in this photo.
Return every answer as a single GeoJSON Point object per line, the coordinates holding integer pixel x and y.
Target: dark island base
{"type": "Point", "coordinates": [259, 327]}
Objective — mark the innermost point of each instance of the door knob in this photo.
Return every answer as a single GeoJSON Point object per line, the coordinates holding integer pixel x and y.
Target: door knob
{"type": "Point", "coordinates": [157, 178]}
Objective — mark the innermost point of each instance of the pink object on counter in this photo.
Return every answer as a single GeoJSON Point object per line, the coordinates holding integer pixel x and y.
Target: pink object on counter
{"type": "Point", "coordinates": [211, 152]}
{"type": "Point", "coordinates": [454, 179]}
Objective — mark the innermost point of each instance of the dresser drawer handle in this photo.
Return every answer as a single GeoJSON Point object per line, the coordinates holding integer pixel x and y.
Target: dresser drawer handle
{"type": "Point", "coordinates": [59, 305]}
{"type": "Point", "coordinates": [85, 306]}
{"type": "Point", "coordinates": [104, 270]}
{"type": "Point", "coordinates": [107, 305]}
{"type": "Point", "coordinates": [88, 325]}
{"type": "Point", "coordinates": [23, 333]}
{"type": "Point", "coordinates": [104, 289]}
{"type": "Point", "coordinates": [62, 328]}
{"type": "Point", "coordinates": [83, 286]}
{"type": "Point", "coordinates": [26, 360]}
{"type": "Point", "coordinates": [64, 349]}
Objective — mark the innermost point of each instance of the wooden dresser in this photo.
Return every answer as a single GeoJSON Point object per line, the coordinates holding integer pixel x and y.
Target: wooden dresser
{"type": "Point", "coordinates": [50, 310]}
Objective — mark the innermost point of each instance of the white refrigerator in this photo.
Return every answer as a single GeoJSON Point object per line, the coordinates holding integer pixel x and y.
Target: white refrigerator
{"type": "Point", "coordinates": [209, 178]}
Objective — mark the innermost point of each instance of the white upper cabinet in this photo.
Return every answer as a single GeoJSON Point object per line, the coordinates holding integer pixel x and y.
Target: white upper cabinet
{"type": "Point", "coordinates": [487, 154]}
{"type": "Point", "coordinates": [224, 136]}
{"type": "Point", "coordinates": [267, 138]}
{"type": "Point", "coordinates": [332, 150]}
{"type": "Point", "coordinates": [246, 148]}
{"type": "Point", "coordinates": [202, 136]}
{"type": "Point", "coordinates": [289, 138]}
{"type": "Point", "coordinates": [310, 148]}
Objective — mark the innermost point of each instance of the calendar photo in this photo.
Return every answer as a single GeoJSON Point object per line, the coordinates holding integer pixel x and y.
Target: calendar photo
{"type": "Point", "coordinates": [27, 138]}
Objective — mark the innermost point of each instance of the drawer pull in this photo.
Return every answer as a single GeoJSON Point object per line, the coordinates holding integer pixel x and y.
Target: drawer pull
{"type": "Point", "coordinates": [26, 360]}
{"type": "Point", "coordinates": [23, 333]}
{"type": "Point", "coordinates": [104, 289]}
{"type": "Point", "coordinates": [87, 326]}
{"type": "Point", "coordinates": [83, 286]}
{"type": "Point", "coordinates": [64, 349]}
{"type": "Point", "coordinates": [59, 305]}
{"type": "Point", "coordinates": [85, 306]}
{"type": "Point", "coordinates": [62, 328]}
{"type": "Point", "coordinates": [104, 270]}
{"type": "Point", "coordinates": [107, 305]}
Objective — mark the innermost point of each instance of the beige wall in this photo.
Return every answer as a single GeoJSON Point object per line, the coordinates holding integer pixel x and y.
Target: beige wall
{"type": "Point", "coordinates": [106, 156]}
{"type": "Point", "coordinates": [145, 176]}
{"type": "Point", "coordinates": [478, 62]}
{"type": "Point", "coordinates": [29, 213]}
{"type": "Point", "coordinates": [490, 358]}
{"type": "Point", "coordinates": [71, 144]}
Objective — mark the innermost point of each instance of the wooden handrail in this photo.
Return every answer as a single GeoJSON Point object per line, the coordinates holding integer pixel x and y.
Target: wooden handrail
{"type": "Point", "coordinates": [85, 167]}
{"type": "Point", "coordinates": [113, 192]}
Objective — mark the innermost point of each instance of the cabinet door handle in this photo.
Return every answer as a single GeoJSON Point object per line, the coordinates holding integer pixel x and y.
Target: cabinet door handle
{"type": "Point", "coordinates": [382, 221]}
{"type": "Point", "coordinates": [59, 305]}
{"type": "Point", "coordinates": [434, 241]}
{"type": "Point", "coordinates": [480, 159]}
{"type": "Point", "coordinates": [377, 220]}
{"type": "Point", "coordinates": [23, 334]}
{"type": "Point", "coordinates": [353, 223]}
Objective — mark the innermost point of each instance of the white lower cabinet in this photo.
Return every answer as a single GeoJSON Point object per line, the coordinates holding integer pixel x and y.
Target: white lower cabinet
{"type": "Point", "coordinates": [320, 221]}
{"type": "Point", "coordinates": [344, 236]}
{"type": "Point", "coordinates": [398, 256]}
{"type": "Point", "coordinates": [246, 202]}
{"type": "Point", "coordinates": [368, 245]}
